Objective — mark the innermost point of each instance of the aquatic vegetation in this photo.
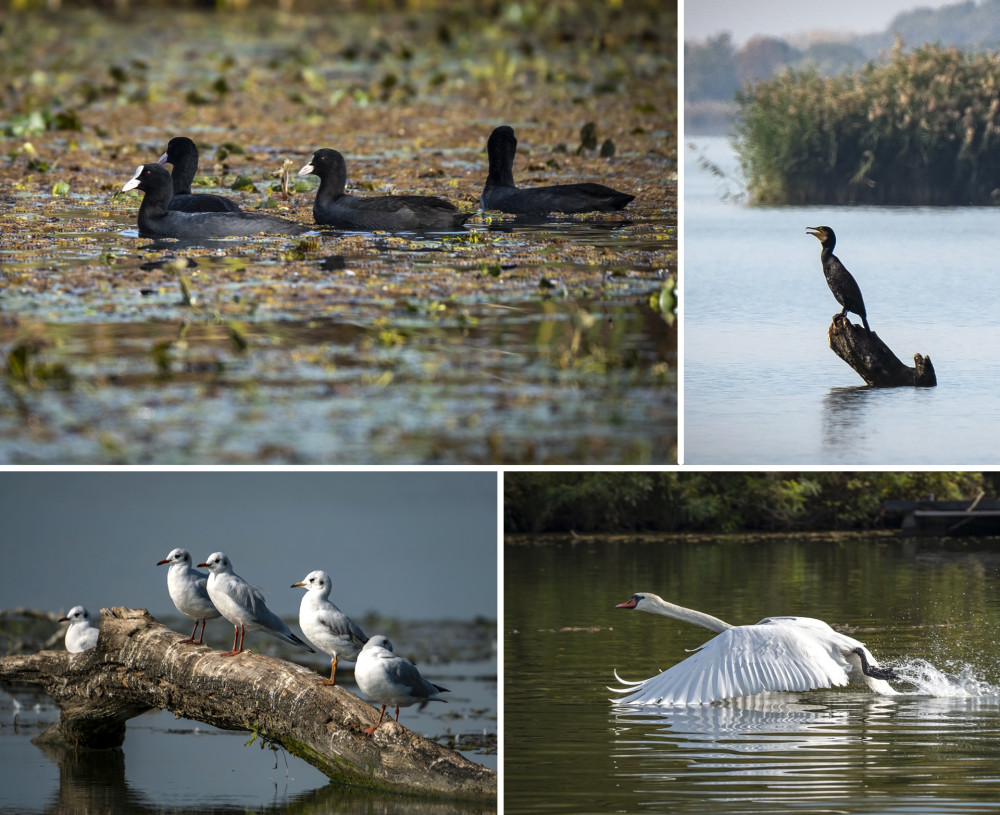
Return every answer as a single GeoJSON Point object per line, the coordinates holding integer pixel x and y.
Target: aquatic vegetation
{"type": "Point", "coordinates": [922, 129]}
{"type": "Point", "coordinates": [337, 347]}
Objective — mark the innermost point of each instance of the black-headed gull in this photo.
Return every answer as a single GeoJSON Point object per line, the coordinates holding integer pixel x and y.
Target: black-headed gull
{"type": "Point", "coordinates": [325, 625]}
{"type": "Point", "coordinates": [187, 587]}
{"type": "Point", "coordinates": [391, 680]}
{"type": "Point", "coordinates": [81, 634]}
{"type": "Point", "coordinates": [243, 605]}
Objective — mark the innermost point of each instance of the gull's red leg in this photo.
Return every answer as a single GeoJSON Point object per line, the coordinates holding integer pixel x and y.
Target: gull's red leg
{"type": "Point", "coordinates": [374, 727]}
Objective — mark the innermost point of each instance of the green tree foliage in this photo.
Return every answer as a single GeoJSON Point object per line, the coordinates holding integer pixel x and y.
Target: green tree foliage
{"type": "Point", "coordinates": [923, 129]}
{"type": "Point", "coordinates": [719, 502]}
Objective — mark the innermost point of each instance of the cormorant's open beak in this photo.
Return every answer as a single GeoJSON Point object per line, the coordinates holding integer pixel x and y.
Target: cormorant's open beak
{"type": "Point", "coordinates": [815, 231]}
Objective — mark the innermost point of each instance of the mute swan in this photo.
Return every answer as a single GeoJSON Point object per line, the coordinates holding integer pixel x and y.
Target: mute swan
{"type": "Point", "coordinates": [776, 654]}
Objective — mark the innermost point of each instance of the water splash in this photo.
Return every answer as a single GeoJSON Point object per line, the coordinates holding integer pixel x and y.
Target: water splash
{"type": "Point", "coordinates": [927, 680]}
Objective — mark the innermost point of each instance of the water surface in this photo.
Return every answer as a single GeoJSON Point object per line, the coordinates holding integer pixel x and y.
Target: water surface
{"type": "Point", "coordinates": [932, 613]}
{"type": "Point", "coordinates": [761, 383]}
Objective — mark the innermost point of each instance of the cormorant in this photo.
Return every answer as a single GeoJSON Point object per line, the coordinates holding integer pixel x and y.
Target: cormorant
{"type": "Point", "coordinates": [841, 282]}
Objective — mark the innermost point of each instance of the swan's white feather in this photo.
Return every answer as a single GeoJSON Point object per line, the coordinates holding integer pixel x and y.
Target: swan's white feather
{"type": "Point", "coordinates": [777, 654]}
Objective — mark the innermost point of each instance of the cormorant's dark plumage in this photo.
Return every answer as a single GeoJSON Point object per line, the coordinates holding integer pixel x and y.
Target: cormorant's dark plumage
{"type": "Point", "coordinates": [841, 282]}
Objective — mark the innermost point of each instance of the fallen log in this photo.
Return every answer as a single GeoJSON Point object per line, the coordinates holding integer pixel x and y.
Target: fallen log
{"type": "Point", "coordinates": [139, 664]}
{"type": "Point", "coordinates": [874, 360]}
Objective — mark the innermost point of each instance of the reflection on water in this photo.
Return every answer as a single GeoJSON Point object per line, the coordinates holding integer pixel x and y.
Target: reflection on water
{"type": "Point", "coordinates": [926, 610]}
{"type": "Point", "coordinates": [481, 346]}
{"type": "Point", "coordinates": [788, 752]}
{"type": "Point", "coordinates": [176, 765]}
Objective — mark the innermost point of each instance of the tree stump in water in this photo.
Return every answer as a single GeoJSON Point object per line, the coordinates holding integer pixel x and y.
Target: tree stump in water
{"type": "Point", "coordinates": [139, 664]}
{"type": "Point", "coordinates": [874, 360]}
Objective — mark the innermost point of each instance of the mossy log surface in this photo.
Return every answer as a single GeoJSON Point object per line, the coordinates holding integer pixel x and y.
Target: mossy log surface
{"type": "Point", "coordinates": [139, 664]}
{"type": "Point", "coordinates": [874, 360]}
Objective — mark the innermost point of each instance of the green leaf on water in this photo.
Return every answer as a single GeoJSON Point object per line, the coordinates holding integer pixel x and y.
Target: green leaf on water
{"type": "Point", "coordinates": [243, 182]}
{"type": "Point", "coordinates": [60, 188]}
{"type": "Point", "coordinates": [237, 333]}
{"type": "Point", "coordinates": [664, 301]}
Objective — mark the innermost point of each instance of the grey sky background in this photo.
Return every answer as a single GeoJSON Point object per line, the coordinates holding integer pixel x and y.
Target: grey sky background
{"type": "Point", "coordinates": [410, 545]}
{"type": "Point", "coordinates": [785, 18]}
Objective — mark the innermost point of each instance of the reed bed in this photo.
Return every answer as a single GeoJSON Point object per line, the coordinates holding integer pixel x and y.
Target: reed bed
{"type": "Point", "coordinates": [922, 129]}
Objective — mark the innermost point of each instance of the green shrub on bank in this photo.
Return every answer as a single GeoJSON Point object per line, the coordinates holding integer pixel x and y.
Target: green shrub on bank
{"type": "Point", "coordinates": [720, 502]}
{"type": "Point", "coordinates": [923, 129]}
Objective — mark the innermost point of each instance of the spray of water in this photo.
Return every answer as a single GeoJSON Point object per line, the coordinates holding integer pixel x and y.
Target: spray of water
{"type": "Point", "coordinates": [927, 680]}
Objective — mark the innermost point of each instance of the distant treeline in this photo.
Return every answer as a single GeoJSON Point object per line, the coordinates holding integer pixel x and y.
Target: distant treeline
{"type": "Point", "coordinates": [715, 70]}
{"type": "Point", "coordinates": [720, 502]}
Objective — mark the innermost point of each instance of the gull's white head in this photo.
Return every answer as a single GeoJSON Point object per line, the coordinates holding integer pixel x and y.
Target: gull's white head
{"type": "Point", "coordinates": [176, 556]}
{"type": "Point", "coordinates": [378, 641]}
{"type": "Point", "coordinates": [318, 581]}
{"type": "Point", "coordinates": [217, 562]}
{"type": "Point", "coordinates": [77, 614]}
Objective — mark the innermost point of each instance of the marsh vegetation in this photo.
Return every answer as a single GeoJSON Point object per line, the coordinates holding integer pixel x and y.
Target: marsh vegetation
{"type": "Point", "coordinates": [508, 341]}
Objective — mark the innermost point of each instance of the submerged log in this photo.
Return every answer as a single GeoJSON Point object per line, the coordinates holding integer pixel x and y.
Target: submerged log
{"type": "Point", "coordinates": [874, 360]}
{"type": "Point", "coordinates": [139, 664]}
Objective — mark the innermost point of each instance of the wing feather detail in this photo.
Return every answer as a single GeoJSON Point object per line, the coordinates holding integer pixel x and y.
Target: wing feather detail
{"type": "Point", "coordinates": [778, 655]}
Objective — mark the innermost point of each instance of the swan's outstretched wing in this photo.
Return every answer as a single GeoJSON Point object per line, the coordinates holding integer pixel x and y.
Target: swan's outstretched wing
{"type": "Point", "coordinates": [743, 661]}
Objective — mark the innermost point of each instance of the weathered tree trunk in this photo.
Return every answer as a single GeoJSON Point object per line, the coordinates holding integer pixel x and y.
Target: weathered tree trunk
{"type": "Point", "coordinates": [874, 360]}
{"type": "Point", "coordinates": [139, 664]}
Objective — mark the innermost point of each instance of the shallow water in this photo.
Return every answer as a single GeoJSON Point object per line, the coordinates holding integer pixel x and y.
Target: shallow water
{"type": "Point", "coordinates": [928, 611]}
{"type": "Point", "coordinates": [761, 383]}
{"type": "Point", "coordinates": [321, 366]}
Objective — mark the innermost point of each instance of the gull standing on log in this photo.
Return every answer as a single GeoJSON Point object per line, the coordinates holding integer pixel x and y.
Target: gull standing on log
{"type": "Point", "coordinates": [188, 589]}
{"type": "Point", "coordinates": [81, 634]}
{"type": "Point", "coordinates": [391, 680]}
{"type": "Point", "coordinates": [243, 605]}
{"type": "Point", "coordinates": [325, 625]}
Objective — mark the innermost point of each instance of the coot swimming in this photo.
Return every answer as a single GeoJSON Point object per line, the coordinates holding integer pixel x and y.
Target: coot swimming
{"type": "Point", "coordinates": [183, 154]}
{"type": "Point", "coordinates": [391, 213]}
{"type": "Point", "coordinates": [156, 221]}
{"type": "Point", "coordinates": [501, 194]}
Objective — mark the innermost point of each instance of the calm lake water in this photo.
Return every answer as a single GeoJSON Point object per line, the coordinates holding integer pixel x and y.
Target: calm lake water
{"type": "Point", "coordinates": [761, 383]}
{"type": "Point", "coordinates": [931, 612]}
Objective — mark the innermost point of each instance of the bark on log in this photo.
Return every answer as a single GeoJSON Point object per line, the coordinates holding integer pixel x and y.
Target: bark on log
{"type": "Point", "coordinates": [874, 360]}
{"type": "Point", "coordinates": [139, 664]}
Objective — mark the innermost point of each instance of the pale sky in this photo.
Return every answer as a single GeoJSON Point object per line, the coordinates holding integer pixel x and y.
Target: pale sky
{"type": "Point", "coordinates": [784, 18]}
{"type": "Point", "coordinates": [420, 545]}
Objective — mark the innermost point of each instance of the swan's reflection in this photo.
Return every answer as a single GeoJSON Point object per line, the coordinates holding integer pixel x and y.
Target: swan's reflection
{"type": "Point", "coordinates": [791, 716]}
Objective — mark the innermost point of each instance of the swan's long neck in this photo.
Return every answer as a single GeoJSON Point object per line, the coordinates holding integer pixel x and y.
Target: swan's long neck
{"type": "Point", "coordinates": [657, 605]}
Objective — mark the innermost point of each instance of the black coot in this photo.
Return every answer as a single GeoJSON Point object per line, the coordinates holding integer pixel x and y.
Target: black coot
{"type": "Point", "coordinates": [390, 213]}
{"type": "Point", "coordinates": [182, 153]}
{"type": "Point", "coordinates": [156, 221]}
{"type": "Point", "coordinates": [501, 194]}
